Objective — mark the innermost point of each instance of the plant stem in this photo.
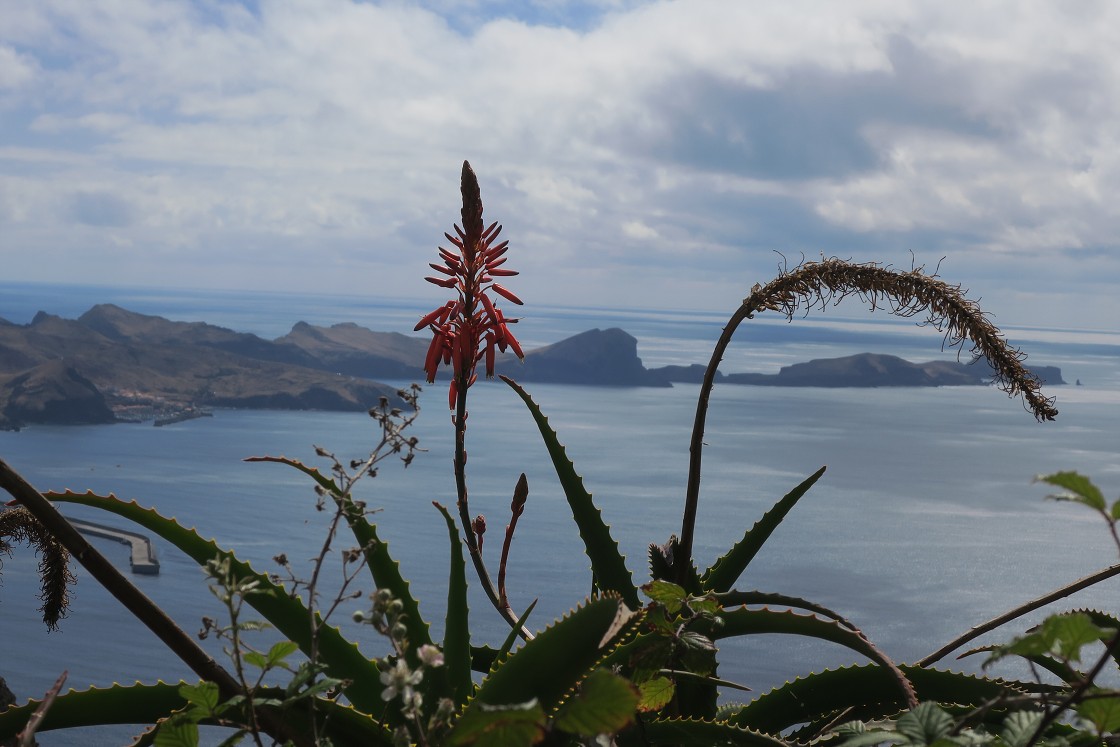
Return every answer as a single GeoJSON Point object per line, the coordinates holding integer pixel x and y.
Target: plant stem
{"type": "Point", "coordinates": [995, 622]}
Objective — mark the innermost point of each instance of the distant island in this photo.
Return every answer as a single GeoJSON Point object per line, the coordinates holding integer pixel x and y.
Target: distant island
{"type": "Point", "coordinates": [112, 365]}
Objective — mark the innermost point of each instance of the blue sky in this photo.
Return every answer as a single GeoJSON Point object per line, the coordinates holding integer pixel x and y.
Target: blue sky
{"type": "Point", "coordinates": [650, 154]}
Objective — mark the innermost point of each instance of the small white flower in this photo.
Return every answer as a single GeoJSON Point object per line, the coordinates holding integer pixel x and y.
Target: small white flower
{"type": "Point", "coordinates": [430, 656]}
{"type": "Point", "coordinates": [399, 680]}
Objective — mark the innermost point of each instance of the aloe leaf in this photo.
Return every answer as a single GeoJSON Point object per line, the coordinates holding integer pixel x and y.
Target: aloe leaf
{"type": "Point", "coordinates": [733, 598]}
{"type": "Point", "coordinates": [726, 571]}
{"type": "Point", "coordinates": [118, 704]}
{"type": "Point", "coordinates": [868, 690]}
{"type": "Point", "coordinates": [457, 632]}
{"type": "Point", "coordinates": [608, 565]}
{"type": "Point", "coordinates": [549, 665]}
{"type": "Point", "coordinates": [696, 733]}
{"type": "Point", "coordinates": [511, 637]}
{"type": "Point", "coordinates": [386, 572]}
{"type": "Point", "coordinates": [289, 615]}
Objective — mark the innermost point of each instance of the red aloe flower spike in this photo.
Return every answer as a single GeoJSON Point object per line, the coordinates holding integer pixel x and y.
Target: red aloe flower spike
{"type": "Point", "coordinates": [452, 393]}
{"type": "Point", "coordinates": [497, 251]}
{"type": "Point", "coordinates": [487, 236]}
{"type": "Point", "coordinates": [489, 355]}
{"type": "Point", "coordinates": [491, 264]}
{"type": "Point", "coordinates": [498, 272]}
{"type": "Point", "coordinates": [513, 343]}
{"type": "Point", "coordinates": [442, 268]}
{"type": "Point", "coordinates": [506, 294]}
{"type": "Point", "coordinates": [453, 240]}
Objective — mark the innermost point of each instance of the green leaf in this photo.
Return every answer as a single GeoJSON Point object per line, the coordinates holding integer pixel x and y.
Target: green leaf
{"type": "Point", "coordinates": [516, 725]}
{"type": "Point", "coordinates": [204, 695]}
{"type": "Point", "coordinates": [1019, 727]}
{"type": "Point", "coordinates": [177, 734]}
{"type": "Point", "coordinates": [119, 704]}
{"type": "Point", "coordinates": [457, 632]}
{"type": "Point", "coordinates": [726, 571]}
{"type": "Point", "coordinates": [1080, 489]}
{"type": "Point", "coordinates": [603, 704]}
{"type": "Point", "coordinates": [608, 565]}
{"type": "Point", "coordinates": [666, 593]}
{"type": "Point", "coordinates": [655, 694]}
{"type": "Point", "coordinates": [1062, 636]}
{"type": "Point", "coordinates": [343, 659]}
{"type": "Point", "coordinates": [548, 666]}
{"type": "Point", "coordinates": [1114, 514]}
{"type": "Point", "coordinates": [1102, 712]}
{"type": "Point", "coordinates": [281, 651]}
{"type": "Point", "coordinates": [925, 724]}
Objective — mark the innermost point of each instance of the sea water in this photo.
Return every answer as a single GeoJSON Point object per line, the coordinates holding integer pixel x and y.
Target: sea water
{"type": "Point", "coordinates": [924, 524]}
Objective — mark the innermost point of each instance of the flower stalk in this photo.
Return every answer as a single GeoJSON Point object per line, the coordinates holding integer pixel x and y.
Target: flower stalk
{"type": "Point", "coordinates": [467, 330]}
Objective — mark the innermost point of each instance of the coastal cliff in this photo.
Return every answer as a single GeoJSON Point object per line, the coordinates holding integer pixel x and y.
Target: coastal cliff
{"type": "Point", "coordinates": [114, 364]}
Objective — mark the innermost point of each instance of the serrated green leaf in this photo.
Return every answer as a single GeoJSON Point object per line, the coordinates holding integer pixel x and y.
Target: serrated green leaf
{"type": "Point", "coordinates": [177, 734]}
{"type": "Point", "coordinates": [457, 632]}
{"type": "Point", "coordinates": [281, 651]}
{"type": "Point", "coordinates": [255, 659]}
{"type": "Point", "coordinates": [514, 725]}
{"type": "Point", "coordinates": [925, 724]}
{"type": "Point", "coordinates": [608, 565]}
{"type": "Point", "coordinates": [697, 733]}
{"type": "Point", "coordinates": [666, 593]}
{"type": "Point", "coordinates": [1061, 635]}
{"type": "Point", "coordinates": [869, 690]}
{"type": "Point", "coordinates": [386, 572]}
{"type": "Point", "coordinates": [1080, 489]}
{"type": "Point", "coordinates": [727, 570]}
{"type": "Point", "coordinates": [604, 704]}
{"type": "Point", "coordinates": [548, 666]}
{"type": "Point", "coordinates": [1102, 712]}
{"type": "Point", "coordinates": [1019, 727]}
{"type": "Point", "coordinates": [289, 615]}
{"type": "Point", "coordinates": [204, 695]}
{"type": "Point", "coordinates": [655, 694]}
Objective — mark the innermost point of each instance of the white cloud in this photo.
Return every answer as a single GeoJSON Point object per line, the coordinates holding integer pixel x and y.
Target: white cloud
{"type": "Point", "coordinates": [674, 137]}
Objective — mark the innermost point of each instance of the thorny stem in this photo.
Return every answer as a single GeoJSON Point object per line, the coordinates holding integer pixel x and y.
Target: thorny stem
{"type": "Point", "coordinates": [143, 608]}
{"type": "Point", "coordinates": [823, 283]}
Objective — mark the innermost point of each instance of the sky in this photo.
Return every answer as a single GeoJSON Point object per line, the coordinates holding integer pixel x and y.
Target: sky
{"type": "Point", "coordinates": [664, 155]}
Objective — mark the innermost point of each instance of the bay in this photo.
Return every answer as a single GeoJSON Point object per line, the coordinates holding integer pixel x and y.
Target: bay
{"type": "Point", "coordinates": [924, 524]}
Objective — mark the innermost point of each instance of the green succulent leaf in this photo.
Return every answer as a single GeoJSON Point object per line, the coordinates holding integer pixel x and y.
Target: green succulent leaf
{"type": "Point", "coordinates": [1079, 489]}
{"type": "Point", "coordinates": [868, 690]}
{"type": "Point", "coordinates": [515, 725]}
{"type": "Point", "coordinates": [685, 732]}
{"type": "Point", "coordinates": [548, 666]}
{"type": "Point", "coordinates": [386, 572]}
{"type": "Point", "coordinates": [603, 704]}
{"type": "Point", "coordinates": [457, 633]}
{"type": "Point", "coordinates": [727, 570]}
{"type": "Point", "coordinates": [608, 565]}
{"type": "Point", "coordinates": [289, 615]}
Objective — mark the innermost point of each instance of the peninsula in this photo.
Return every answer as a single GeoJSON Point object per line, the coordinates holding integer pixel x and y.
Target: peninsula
{"type": "Point", "coordinates": [112, 365]}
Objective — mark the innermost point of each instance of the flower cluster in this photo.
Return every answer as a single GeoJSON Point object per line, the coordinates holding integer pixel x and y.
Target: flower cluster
{"type": "Point", "coordinates": [471, 327]}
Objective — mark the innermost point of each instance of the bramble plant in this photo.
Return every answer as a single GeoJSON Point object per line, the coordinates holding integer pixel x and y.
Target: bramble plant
{"type": "Point", "coordinates": [633, 664]}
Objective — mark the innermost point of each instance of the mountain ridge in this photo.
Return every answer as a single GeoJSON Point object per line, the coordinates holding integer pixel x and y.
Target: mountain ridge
{"type": "Point", "coordinates": [112, 363]}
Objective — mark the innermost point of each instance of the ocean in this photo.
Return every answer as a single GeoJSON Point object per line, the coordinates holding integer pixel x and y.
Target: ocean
{"type": "Point", "coordinates": [925, 523]}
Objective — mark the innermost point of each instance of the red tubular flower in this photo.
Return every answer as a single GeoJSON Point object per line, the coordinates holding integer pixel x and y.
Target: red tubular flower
{"type": "Point", "coordinates": [468, 329]}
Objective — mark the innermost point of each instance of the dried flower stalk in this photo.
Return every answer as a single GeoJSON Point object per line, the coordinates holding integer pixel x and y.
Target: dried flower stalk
{"type": "Point", "coordinates": [19, 525]}
{"type": "Point", "coordinates": [827, 282]}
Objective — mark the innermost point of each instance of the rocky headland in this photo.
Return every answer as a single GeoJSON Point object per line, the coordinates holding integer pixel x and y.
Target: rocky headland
{"type": "Point", "coordinates": [111, 364]}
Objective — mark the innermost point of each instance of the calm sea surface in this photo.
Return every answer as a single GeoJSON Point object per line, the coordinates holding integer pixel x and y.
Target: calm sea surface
{"type": "Point", "coordinates": [925, 523]}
